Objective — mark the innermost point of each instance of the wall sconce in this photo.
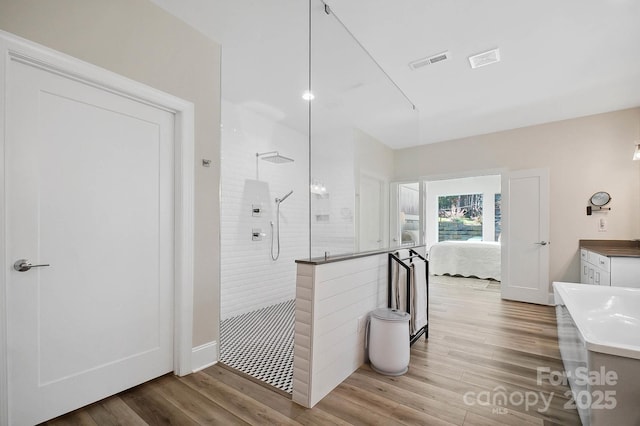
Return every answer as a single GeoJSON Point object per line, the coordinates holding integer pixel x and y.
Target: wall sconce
{"type": "Point", "coordinates": [636, 153]}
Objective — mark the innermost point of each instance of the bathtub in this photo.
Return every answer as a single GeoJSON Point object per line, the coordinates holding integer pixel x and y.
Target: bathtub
{"type": "Point", "coordinates": [599, 338]}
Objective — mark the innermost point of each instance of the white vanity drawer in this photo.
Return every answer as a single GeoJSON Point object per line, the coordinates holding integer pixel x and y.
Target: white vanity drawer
{"type": "Point", "coordinates": [601, 277]}
{"type": "Point", "coordinates": [597, 260]}
{"type": "Point", "coordinates": [612, 270]}
{"type": "Point", "coordinates": [603, 262]}
{"type": "Point", "coordinates": [584, 255]}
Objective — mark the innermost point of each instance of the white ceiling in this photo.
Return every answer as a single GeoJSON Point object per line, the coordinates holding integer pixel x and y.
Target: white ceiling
{"type": "Point", "coordinates": [560, 59]}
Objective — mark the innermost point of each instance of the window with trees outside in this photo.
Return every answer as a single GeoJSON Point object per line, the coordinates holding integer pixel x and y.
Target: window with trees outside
{"type": "Point", "coordinates": [460, 217]}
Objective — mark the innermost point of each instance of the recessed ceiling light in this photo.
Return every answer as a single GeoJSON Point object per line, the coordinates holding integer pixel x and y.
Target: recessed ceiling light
{"type": "Point", "coordinates": [308, 96]}
{"type": "Point", "coordinates": [485, 58]}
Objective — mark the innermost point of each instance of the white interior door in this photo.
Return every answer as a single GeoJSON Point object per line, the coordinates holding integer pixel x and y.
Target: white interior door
{"type": "Point", "coordinates": [525, 236]}
{"type": "Point", "coordinates": [370, 227]}
{"type": "Point", "coordinates": [90, 193]}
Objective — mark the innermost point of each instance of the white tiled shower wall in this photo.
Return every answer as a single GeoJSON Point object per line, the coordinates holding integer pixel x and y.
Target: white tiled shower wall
{"type": "Point", "coordinates": [250, 279]}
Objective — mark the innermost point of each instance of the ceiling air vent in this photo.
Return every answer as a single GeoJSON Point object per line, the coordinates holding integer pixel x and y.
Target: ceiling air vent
{"type": "Point", "coordinates": [428, 61]}
{"type": "Point", "coordinates": [485, 58]}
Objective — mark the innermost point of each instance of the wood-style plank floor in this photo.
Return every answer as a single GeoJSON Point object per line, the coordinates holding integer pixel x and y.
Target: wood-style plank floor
{"type": "Point", "coordinates": [479, 349]}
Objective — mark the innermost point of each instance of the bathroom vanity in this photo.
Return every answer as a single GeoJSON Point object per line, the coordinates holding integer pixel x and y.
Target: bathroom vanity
{"type": "Point", "coordinates": [610, 262]}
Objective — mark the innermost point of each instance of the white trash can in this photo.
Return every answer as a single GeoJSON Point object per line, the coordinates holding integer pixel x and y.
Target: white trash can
{"type": "Point", "coordinates": [389, 341]}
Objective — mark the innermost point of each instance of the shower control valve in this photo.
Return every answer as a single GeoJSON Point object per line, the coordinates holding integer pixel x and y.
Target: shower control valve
{"type": "Point", "coordinates": [257, 234]}
{"type": "Point", "coordinates": [256, 210]}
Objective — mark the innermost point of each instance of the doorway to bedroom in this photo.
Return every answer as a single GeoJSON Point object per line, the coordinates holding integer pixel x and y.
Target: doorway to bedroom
{"type": "Point", "coordinates": [462, 229]}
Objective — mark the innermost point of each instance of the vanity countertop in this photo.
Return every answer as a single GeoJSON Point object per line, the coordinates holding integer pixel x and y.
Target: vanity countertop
{"type": "Point", "coordinates": [612, 248]}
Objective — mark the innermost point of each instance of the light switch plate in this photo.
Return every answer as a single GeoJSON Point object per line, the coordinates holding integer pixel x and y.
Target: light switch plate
{"type": "Point", "coordinates": [602, 225]}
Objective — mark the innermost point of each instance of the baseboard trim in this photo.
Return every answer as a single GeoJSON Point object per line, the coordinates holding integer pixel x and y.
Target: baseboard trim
{"type": "Point", "coordinates": [204, 356]}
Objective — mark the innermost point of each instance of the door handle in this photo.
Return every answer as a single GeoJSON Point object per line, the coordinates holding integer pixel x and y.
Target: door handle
{"type": "Point", "coordinates": [23, 265]}
{"type": "Point", "coordinates": [542, 243]}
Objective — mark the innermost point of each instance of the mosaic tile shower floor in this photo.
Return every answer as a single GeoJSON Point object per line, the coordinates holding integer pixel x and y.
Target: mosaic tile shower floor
{"type": "Point", "coordinates": [260, 344]}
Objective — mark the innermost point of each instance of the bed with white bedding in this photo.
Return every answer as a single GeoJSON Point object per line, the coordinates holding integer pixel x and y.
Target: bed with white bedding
{"type": "Point", "coordinates": [466, 258]}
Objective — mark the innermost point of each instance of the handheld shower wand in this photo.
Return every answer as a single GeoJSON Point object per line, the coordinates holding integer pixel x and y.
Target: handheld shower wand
{"type": "Point", "coordinates": [278, 201]}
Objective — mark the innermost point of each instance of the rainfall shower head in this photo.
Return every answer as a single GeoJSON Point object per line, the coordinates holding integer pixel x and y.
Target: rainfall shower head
{"type": "Point", "coordinates": [274, 157]}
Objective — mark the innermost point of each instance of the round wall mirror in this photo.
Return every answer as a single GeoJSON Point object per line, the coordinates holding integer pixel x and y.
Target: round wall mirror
{"type": "Point", "coordinates": [600, 199]}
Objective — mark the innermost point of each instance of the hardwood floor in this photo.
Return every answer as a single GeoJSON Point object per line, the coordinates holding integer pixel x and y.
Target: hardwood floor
{"type": "Point", "coordinates": [479, 348]}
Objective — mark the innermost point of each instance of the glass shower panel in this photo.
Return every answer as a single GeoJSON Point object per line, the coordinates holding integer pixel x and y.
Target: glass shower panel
{"type": "Point", "coordinates": [264, 183]}
{"type": "Point", "coordinates": [265, 151]}
{"type": "Point", "coordinates": [358, 115]}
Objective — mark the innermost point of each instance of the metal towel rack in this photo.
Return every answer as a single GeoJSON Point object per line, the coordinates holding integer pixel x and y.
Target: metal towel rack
{"type": "Point", "coordinates": [412, 255]}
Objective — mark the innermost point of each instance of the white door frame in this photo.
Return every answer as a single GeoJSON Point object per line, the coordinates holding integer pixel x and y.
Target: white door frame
{"type": "Point", "coordinates": [13, 48]}
{"type": "Point", "coordinates": [394, 206]}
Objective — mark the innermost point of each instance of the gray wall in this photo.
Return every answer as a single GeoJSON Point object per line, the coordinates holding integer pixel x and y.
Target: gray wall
{"type": "Point", "coordinates": [139, 40]}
